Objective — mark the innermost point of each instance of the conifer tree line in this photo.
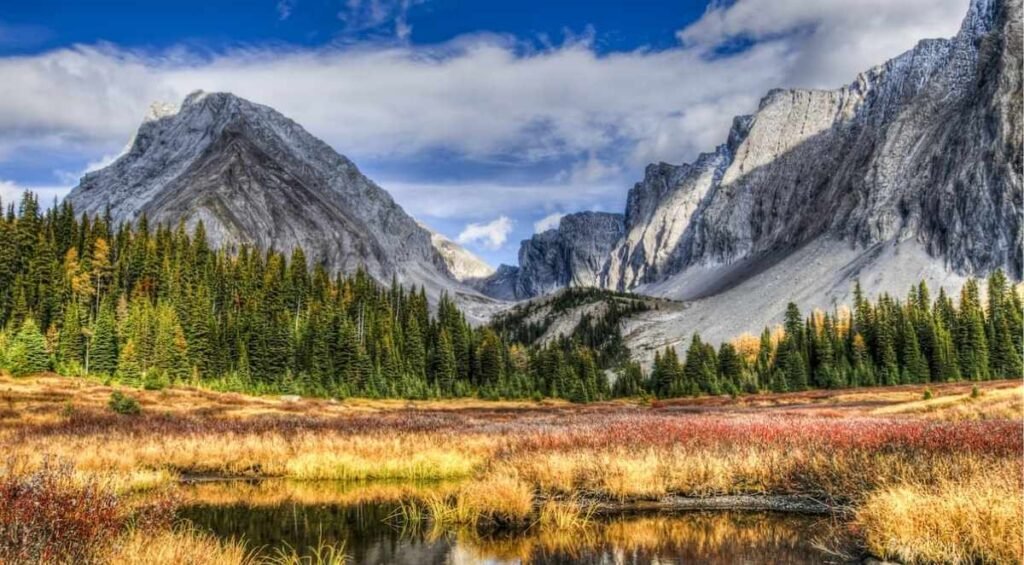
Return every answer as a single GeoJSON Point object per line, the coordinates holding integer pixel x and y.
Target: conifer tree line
{"type": "Point", "coordinates": [151, 306]}
{"type": "Point", "coordinates": [885, 342]}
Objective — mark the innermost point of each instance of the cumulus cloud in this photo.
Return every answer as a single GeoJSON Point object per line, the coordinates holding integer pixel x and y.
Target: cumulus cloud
{"type": "Point", "coordinates": [589, 170]}
{"type": "Point", "coordinates": [831, 41]}
{"type": "Point", "coordinates": [600, 116]}
{"type": "Point", "coordinates": [462, 200]}
{"type": "Point", "coordinates": [548, 222]}
{"type": "Point", "coordinates": [491, 235]}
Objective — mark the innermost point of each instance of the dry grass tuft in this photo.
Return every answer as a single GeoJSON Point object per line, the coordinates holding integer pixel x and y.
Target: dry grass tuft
{"type": "Point", "coordinates": [184, 545]}
{"type": "Point", "coordinates": [566, 515]}
{"type": "Point", "coordinates": [493, 500]}
{"type": "Point", "coordinates": [978, 521]}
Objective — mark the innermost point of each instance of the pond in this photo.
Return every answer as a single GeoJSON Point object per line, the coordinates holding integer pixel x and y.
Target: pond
{"type": "Point", "coordinates": [363, 519]}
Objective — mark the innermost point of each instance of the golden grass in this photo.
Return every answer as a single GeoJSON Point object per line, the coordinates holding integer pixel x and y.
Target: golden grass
{"type": "Point", "coordinates": [566, 515]}
{"type": "Point", "coordinates": [183, 545]}
{"type": "Point", "coordinates": [147, 460]}
{"type": "Point", "coordinates": [973, 521]}
{"type": "Point", "coordinates": [997, 403]}
{"type": "Point", "coordinates": [188, 545]}
{"type": "Point", "coordinates": [388, 463]}
{"type": "Point", "coordinates": [498, 457]}
{"type": "Point", "coordinates": [501, 498]}
{"type": "Point", "coordinates": [277, 492]}
{"type": "Point", "coordinates": [24, 394]}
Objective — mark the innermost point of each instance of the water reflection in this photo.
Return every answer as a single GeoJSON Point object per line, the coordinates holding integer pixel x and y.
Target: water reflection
{"type": "Point", "coordinates": [362, 518]}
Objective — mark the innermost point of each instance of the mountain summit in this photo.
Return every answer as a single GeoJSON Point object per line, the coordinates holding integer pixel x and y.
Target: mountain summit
{"type": "Point", "coordinates": [253, 176]}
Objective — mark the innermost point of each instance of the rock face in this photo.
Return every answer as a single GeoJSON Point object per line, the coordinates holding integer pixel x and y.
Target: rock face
{"type": "Point", "coordinates": [253, 176]}
{"type": "Point", "coordinates": [923, 152]}
{"type": "Point", "coordinates": [461, 263]}
{"type": "Point", "coordinates": [574, 254]}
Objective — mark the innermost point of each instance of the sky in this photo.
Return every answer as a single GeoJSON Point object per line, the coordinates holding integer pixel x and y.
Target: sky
{"type": "Point", "coordinates": [487, 121]}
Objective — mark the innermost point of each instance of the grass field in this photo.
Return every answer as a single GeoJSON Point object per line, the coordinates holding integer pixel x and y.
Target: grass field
{"type": "Point", "coordinates": [924, 480]}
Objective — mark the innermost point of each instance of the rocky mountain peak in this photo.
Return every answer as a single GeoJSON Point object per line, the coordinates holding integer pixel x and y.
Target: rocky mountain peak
{"type": "Point", "coordinates": [253, 176]}
{"type": "Point", "coordinates": [921, 152]}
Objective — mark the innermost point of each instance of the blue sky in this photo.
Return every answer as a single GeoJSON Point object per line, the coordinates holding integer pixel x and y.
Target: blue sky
{"type": "Point", "coordinates": [485, 120]}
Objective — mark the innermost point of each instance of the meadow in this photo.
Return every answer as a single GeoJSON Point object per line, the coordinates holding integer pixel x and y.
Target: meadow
{"type": "Point", "coordinates": [918, 476]}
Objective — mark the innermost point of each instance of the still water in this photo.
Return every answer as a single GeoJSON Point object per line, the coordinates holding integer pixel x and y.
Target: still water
{"type": "Point", "coordinates": [274, 515]}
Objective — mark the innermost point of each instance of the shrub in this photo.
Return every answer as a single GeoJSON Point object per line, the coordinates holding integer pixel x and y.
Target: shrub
{"type": "Point", "coordinates": [975, 391]}
{"type": "Point", "coordinates": [927, 394]}
{"type": "Point", "coordinates": [123, 404]}
{"type": "Point", "coordinates": [50, 517]}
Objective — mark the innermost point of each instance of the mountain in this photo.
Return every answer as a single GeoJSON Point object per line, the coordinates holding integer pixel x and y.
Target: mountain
{"type": "Point", "coordinates": [912, 171]}
{"type": "Point", "coordinates": [573, 254]}
{"type": "Point", "coordinates": [461, 263]}
{"type": "Point", "coordinates": [253, 176]}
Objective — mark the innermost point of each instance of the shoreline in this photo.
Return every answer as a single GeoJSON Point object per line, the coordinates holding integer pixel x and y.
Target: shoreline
{"type": "Point", "coordinates": [754, 502]}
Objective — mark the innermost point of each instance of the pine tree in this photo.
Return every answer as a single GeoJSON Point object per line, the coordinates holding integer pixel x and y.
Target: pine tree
{"type": "Point", "coordinates": [730, 367]}
{"type": "Point", "coordinates": [971, 343]}
{"type": "Point", "coordinates": [445, 367]}
{"type": "Point", "coordinates": [415, 351]}
{"type": "Point", "coordinates": [699, 374]}
{"type": "Point", "coordinates": [102, 350]}
{"type": "Point", "coordinates": [1004, 361]}
{"type": "Point", "coordinates": [27, 353]}
{"type": "Point", "coordinates": [630, 381]}
{"type": "Point", "coordinates": [915, 366]}
{"type": "Point", "coordinates": [129, 369]}
{"type": "Point", "coordinates": [792, 358]}
{"type": "Point", "coordinates": [71, 349]}
{"type": "Point", "coordinates": [490, 359]}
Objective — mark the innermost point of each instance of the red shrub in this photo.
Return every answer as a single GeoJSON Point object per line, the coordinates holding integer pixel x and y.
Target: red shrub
{"type": "Point", "coordinates": [48, 517]}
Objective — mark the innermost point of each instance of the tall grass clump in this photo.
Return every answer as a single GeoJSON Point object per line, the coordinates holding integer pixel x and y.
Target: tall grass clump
{"type": "Point", "coordinates": [183, 545]}
{"type": "Point", "coordinates": [978, 521]}
{"type": "Point", "coordinates": [498, 500]}
{"type": "Point", "coordinates": [566, 516]}
{"type": "Point", "coordinates": [322, 554]}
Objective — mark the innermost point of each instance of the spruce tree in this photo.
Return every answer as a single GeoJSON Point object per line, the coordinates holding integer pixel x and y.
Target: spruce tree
{"type": "Point", "coordinates": [445, 365]}
{"type": "Point", "coordinates": [730, 367]}
{"type": "Point", "coordinates": [103, 352]}
{"type": "Point", "coordinates": [71, 348]}
{"type": "Point", "coordinates": [129, 369]}
{"type": "Point", "coordinates": [27, 353]}
{"type": "Point", "coordinates": [971, 343]}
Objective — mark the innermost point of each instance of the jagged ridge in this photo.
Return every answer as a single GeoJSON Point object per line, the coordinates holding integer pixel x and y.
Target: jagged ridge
{"type": "Point", "coordinates": [924, 150]}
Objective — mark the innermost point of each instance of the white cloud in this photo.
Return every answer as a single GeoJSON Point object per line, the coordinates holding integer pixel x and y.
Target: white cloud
{"type": "Point", "coordinates": [72, 178]}
{"type": "Point", "coordinates": [548, 222]}
{"type": "Point", "coordinates": [12, 192]}
{"type": "Point", "coordinates": [830, 41]}
{"type": "Point", "coordinates": [491, 235]}
{"type": "Point", "coordinates": [469, 200]}
{"type": "Point", "coordinates": [591, 169]}
{"type": "Point", "coordinates": [480, 97]}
